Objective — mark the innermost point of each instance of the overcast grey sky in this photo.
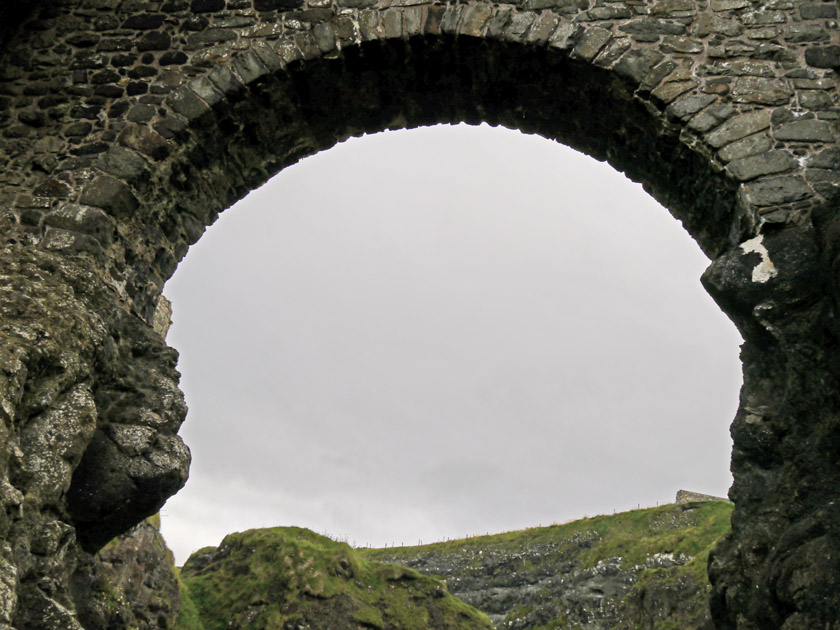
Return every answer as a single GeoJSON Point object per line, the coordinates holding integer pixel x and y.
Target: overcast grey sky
{"type": "Point", "coordinates": [442, 332]}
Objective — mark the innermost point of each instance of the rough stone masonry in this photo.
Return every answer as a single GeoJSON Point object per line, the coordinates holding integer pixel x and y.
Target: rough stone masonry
{"type": "Point", "coordinates": [126, 126]}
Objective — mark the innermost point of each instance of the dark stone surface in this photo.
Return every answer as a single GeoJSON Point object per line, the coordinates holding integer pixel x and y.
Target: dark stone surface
{"type": "Point", "coordinates": [133, 582]}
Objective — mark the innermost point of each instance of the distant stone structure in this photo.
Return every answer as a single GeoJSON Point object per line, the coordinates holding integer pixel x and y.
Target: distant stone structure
{"type": "Point", "coordinates": [126, 126]}
{"type": "Point", "coordinates": [684, 496]}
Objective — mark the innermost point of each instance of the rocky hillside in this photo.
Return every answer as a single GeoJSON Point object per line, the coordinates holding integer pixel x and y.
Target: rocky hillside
{"type": "Point", "coordinates": [293, 579]}
{"type": "Point", "coordinates": [644, 569]}
{"type": "Point", "coordinates": [134, 583]}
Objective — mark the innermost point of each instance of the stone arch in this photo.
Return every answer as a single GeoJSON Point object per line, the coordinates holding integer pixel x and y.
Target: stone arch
{"type": "Point", "coordinates": [129, 125]}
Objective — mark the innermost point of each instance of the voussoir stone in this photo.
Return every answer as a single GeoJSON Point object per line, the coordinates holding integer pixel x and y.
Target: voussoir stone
{"type": "Point", "coordinates": [739, 127]}
{"type": "Point", "coordinates": [760, 165]}
{"type": "Point", "coordinates": [751, 145]}
{"type": "Point", "coordinates": [777, 190]}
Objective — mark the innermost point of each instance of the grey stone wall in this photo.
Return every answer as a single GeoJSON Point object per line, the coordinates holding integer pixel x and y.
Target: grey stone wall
{"type": "Point", "coordinates": [126, 126]}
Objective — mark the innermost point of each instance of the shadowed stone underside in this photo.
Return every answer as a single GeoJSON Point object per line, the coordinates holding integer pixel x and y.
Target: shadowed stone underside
{"type": "Point", "coordinates": [126, 127]}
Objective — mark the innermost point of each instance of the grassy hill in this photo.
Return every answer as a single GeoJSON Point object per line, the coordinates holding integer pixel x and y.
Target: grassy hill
{"type": "Point", "coordinates": [638, 569]}
{"type": "Point", "coordinates": [289, 578]}
{"type": "Point", "coordinates": [643, 569]}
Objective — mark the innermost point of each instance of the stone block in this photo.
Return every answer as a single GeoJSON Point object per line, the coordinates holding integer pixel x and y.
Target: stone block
{"type": "Point", "coordinates": [176, 58]}
{"type": "Point", "coordinates": [392, 22]}
{"type": "Point", "coordinates": [358, 4]}
{"type": "Point", "coordinates": [144, 21]}
{"type": "Point", "coordinates": [77, 129]}
{"type": "Point", "coordinates": [612, 52]}
{"type": "Point", "coordinates": [761, 91]}
{"type": "Point", "coordinates": [224, 79]}
{"type": "Point", "coordinates": [141, 113]}
{"type": "Point", "coordinates": [606, 13]}
{"type": "Point", "coordinates": [776, 191]}
{"type": "Point", "coordinates": [764, 17]}
{"type": "Point", "coordinates": [204, 89]}
{"type": "Point", "coordinates": [817, 10]}
{"type": "Point", "coordinates": [324, 36]}
{"type": "Point", "coordinates": [827, 158]}
{"type": "Point", "coordinates": [52, 188]}
{"type": "Point", "coordinates": [212, 36]}
{"type": "Point", "coordinates": [269, 57]}
{"type": "Point", "coordinates": [206, 6]}
{"type": "Point", "coordinates": [123, 163]}
{"type": "Point", "coordinates": [174, 6]}
{"type": "Point", "coordinates": [306, 44]}
{"type": "Point", "coordinates": [82, 40]}
{"type": "Point", "coordinates": [498, 23]}
{"type": "Point", "coordinates": [815, 100]}
{"type": "Point", "coordinates": [519, 25]}
{"type": "Point", "coordinates": [369, 24]}
{"type": "Point", "coordinates": [449, 23]}
{"type": "Point", "coordinates": [739, 127]}
{"type": "Point", "coordinates": [110, 194]}
{"type": "Point", "coordinates": [823, 57]}
{"type": "Point", "coordinates": [414, 21]}
{"type": "Point", "coordinates": [751, 145]}
{"type": "Point", "coordinates": [710, 24]}
{"type": "Point", "coordinates": [690, 105]}
{"type": "Point", "coordinates": [154, 40]}
{"type": "Point", "coordinates": [805, 131]}
{"type": "Point", "coordinates": [84, 219]}
{"type": "Point", "coordinates": [591, 43]}
{"type": "Point", "coordinates": [769, 163]}
{"type": "Point", "coordinates": [667, 92]}
{"type": "Point", "coordinates": [109, 44]}
{"type": "Point", "coordinates": [636, 64]}
{"type": "Point", "coordinates": [558, 6]}
{"type": "Point", "coordinates": [542, 28]}
{"type": "Point", "coordinates": [742, 68]}
{"type": "Point", "coordinates": [674, 8]}
{"type": "Point", "coordinates": [648, 29]}
{"type": "Point", "coordinates": [249, 67]}
{"type": "Point", "coordinates": [235, 21]}
{"type": "Point", "coordinates": [729, 5]}
{"type": "Point", "coordinates": [805, 33]}
{"type": "Point", "coordinates": [764, 33]}
{"type": "Point", "coordinates": [681, 45]}
{"type": "Point", "coordinates": [475, 18]}
{"type": "Point", "coordinates": [144, 140]}
{"type": "Point", "coordinates": [186, 103]}
{"type": "Point", "coordinates": [658, 74]}
{"type": "Point", "coordinates": [564, 36]}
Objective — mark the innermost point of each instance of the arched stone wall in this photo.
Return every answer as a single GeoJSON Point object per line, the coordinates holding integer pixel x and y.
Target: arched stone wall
{"type": "Point", "coordinates": [127, 126]}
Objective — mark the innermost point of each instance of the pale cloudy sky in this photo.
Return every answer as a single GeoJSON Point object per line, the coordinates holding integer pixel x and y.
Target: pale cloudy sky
{"type": "Point", "coordinates": [436, 333]}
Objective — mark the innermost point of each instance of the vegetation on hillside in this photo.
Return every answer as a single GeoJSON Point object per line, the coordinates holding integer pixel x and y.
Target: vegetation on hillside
{"type": "Point", "coordinates": [289, 578]}
{"type": "Point", "coordinates": [281, 578]}
{"type": "Point", "coordinates": [632, 536]}
{"type": "Point", "coordinates": [660, 555]}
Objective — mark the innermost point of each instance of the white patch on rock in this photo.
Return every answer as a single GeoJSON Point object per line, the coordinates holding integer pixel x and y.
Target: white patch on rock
{"type": "Point", "coordinates": [765, 270]}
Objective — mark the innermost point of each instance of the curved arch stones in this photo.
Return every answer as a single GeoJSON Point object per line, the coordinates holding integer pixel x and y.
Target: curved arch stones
{"type": "Point", "coordinates": [126, 126]}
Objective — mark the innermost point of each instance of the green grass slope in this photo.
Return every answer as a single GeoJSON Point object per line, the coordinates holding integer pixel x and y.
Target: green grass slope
{"type": "Point", "coordinates": [638, 569]}
{"type": "Point", "coordinates": [289, 578]}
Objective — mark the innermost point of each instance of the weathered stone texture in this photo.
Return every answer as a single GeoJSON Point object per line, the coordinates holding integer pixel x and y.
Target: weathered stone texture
{"type": "Point", "coordinates": [126, 127]}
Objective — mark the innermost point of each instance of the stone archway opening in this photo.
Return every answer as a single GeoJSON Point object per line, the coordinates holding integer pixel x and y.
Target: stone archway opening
{"type": "Point", "coordinates": [427, 324]}
{"type": "Point", "coordinates": [725, 111]}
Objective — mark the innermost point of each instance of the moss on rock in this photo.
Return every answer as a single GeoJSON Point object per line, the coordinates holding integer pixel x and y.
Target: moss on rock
{"type": "Point", "coordinates": [286, 578]}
